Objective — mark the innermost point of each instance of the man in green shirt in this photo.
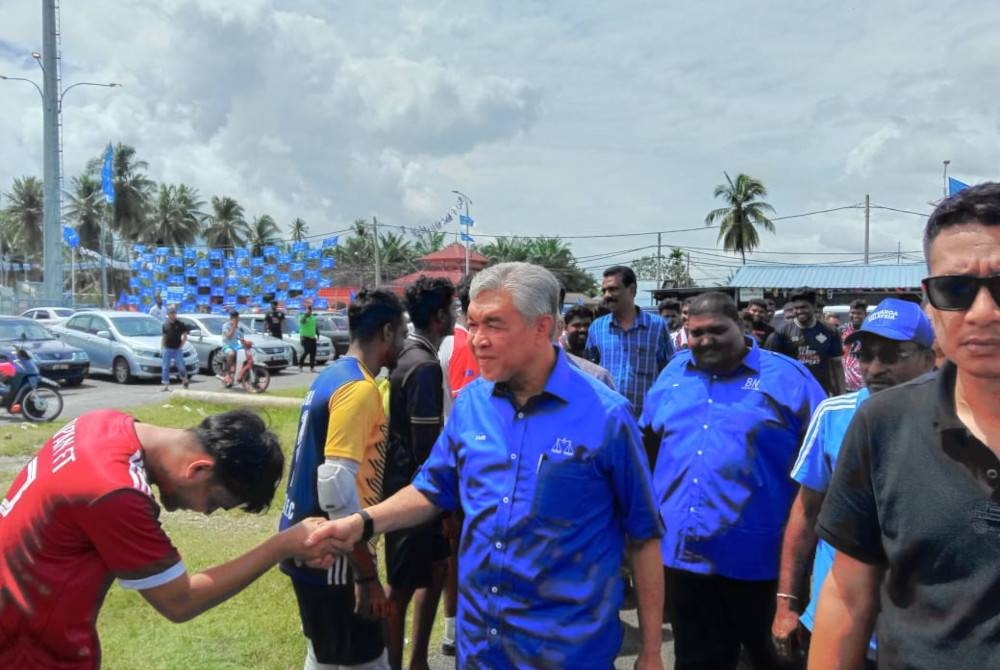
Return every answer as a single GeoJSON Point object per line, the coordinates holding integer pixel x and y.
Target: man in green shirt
{"type": "Point", "coordinates": [307, 336]}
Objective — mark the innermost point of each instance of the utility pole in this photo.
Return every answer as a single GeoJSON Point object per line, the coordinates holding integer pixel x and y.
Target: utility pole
{"type": "Point", "coordinates": [659, 259]}
{"type": "Point", "coordinates": [52, 267]}
{"type": "Point", "coordinates": [104, 255]}
{"type": "Point", "coordinates": [378, 261]}
{"type": "Point", "coordinates": [945, 192]}
{"type": "Point", "coordinates": [868, 211]}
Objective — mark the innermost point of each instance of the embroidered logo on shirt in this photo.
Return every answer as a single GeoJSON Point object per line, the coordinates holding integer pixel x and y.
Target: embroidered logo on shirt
{"type": "Point", "coordinates": [752, 384]}
{"type": "Point", "coordinates": [563, 446]}
{"type": "Point", "coordinates": [480, 438]}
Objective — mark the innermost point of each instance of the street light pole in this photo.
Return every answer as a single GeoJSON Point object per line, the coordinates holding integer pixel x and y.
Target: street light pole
{"type": "Point", "coordinates": [946, 163]}
{"type": "Point", "coordinates": [466, 200]}
{"type": "Point", "coordinates": [51, 233]}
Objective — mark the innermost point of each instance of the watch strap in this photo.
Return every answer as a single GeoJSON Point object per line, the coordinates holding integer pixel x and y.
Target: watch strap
{"type": "Point", "coordinates": [369, 525]}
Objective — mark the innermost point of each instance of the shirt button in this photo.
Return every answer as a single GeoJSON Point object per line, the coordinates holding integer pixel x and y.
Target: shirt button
{"type": "Point", "coordinates": [493, 631]}
{"type": "Point", "coordinates": [709, 401]}
{"type": "Point", "coordinates": [695, 480]}
{"type": "Point", "coordinates": [992, 473]}
{"type": "Point", "coordinates": [513, 457]}
{"type": "Point", "coordinates": [498, 545]}
{"type": "Point", "coordinates": [520, 415]}
{"type": "Point", "coordinates": [699, 452]}
{"type": "Point", "coordinates": [705, 426]}
{"type": "Point", "coordinates": [506, 499]}
{"type": "Point", "coordinates": [494, 589]}
{"type": "Point", "coordinates": [690, 509]}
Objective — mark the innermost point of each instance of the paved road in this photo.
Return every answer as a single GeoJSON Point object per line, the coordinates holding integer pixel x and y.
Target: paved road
{"type": "Point", "coordinates": [99, 392]}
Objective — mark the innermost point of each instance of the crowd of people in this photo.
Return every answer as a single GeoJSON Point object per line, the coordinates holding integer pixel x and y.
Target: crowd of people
{"type": "Point", "coordinates": [775, 491]}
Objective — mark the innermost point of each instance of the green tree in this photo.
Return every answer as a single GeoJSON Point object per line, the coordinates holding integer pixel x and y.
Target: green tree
{"type": "Point", "coordinates": [744, 211]}
{"type": "Point", "coordinates": [428, 241]}
{"type": "Point", "coordinates": [506, 250]}
{"type": "Point", "coordinates": [299, 230]}
{"type": "Point", "coordinates": [133, 190]}
{"type": "Point", "coordinates": [24, 216]}
{"type": "Point", "coordinates": [396, 255]}
{"type": "Point", "coordinates": [226, 226]}
{"type": "Point", "coordinates": [549, 252]}
{"type": "Point", "coordinates": [263, 231]}
{"type": "Point", "coordinates": [175, 219]}
{"type": "Point", "coordinates": [672, 269]}
{"type": "Point", "coordinates": [85, 210]}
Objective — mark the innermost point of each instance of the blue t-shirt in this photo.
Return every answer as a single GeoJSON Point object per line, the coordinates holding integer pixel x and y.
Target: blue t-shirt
{"type": "Point", "coordinates": [814, 470]}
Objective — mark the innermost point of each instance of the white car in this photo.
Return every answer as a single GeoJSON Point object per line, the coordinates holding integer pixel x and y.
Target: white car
{"type": "Point", "coordinates": [48, 316]}
{"type": "Point", "coordinates": [290, 335]}
{"type": "Point", "coordinates": [207, 341]}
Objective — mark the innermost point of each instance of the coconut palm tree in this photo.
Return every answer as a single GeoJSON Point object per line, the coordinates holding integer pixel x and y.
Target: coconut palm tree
{"type": "Point", "coordinates": [85, 210]}
{"type": "Point", "coordinates": [261, 233]}
{"type": "Point", "coordinates": [505, 249]}
{"type": "Point", "coordinates": [24, 216]}
{"type": "Point", "coordinates": [226, 227]}
{"type": "Point", "coordinates": [175, 220]}
{"type": "Point", "coordinates": [299, 230]}
{"type": "Point", "coordinates": [428, 241]}
{"type": "Point", "coordinates": [744, 211]}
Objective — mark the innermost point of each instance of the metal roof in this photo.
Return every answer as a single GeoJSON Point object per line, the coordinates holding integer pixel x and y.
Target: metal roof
{"type": "Point", "coordinates": [830, 276]}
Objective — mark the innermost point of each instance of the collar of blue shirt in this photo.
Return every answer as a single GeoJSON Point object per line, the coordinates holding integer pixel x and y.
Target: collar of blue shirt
{"type": "Point", "coordinates": [750, 360]}
{"type": "Point", "coordinates": [559, 385]}
{"type": "Point", "coordinates": [642, 319]}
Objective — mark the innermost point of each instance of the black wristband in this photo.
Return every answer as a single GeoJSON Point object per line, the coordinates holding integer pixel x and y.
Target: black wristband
{"type": "Point", "coordinates": [369, 527]}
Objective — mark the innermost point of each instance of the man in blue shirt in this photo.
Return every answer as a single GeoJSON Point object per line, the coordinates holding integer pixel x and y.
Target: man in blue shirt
{"type": "Point", "coordinates": [895, 347]}
{"type": "Point", "coordinates": [546, 463]}
{"type": "Point", "coordinates": [727, 418]}
{"type": "Point", "coordinates": [629, 343]}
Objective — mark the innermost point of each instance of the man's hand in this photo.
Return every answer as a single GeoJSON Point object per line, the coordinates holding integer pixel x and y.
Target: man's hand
{"type": "Point", "coordinates": [370, 601]}
{"type": "Point", "coordinates": [299, 544]}
{"type": "Point", "coordinates": [785, 632]}
{"type": "Point", "coordinates": [341, 534]}
{"type": "Point", "coordinates": [649, 661]}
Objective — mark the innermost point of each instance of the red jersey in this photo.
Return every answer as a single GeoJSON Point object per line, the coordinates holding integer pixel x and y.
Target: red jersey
{"type": "Point", "coordinates": [463, 366]}
{"type": "Point", "coordinates": [79, 514]}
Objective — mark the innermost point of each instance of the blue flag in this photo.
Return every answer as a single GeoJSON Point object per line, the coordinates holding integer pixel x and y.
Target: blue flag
{"type": "Point", "coordinates": [108, 175]}
{"type": "Point", "coordinates": [467, 238]}
{"type": "Point", "coordinates": [954, 186]}
{"type": "Point", "coordinates": [465, 220]}
{"type": "Point", "coordinates": [71, 237]}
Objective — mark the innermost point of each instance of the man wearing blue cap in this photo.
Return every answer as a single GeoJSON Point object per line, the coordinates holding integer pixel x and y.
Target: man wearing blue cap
{"type": "Point", "coordinates": [894, 346]}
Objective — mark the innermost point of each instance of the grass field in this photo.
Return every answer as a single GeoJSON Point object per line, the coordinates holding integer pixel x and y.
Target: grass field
{"type": "Point", "coordinates": [259, 628]}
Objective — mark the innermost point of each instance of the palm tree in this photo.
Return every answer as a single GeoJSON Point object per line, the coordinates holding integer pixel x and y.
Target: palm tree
{"type": "Point", "coordinates": [133, 190]}
{"type": "Point", "coordinates": [743, 212]}
{"type": "Point", "coordinates": [299, 230]}
{"type": "Point", "coordinates": [428, 241]}
{"type": "Point", "coordinates": [226, 226]}
{"type": "Point", "coordinates": [176, 218]}
{"type": "Point", "coordinates": [261, 233]}
{"type": "Point", "coordinates": [396, 255]}
{"type": "Point", "coordinates": [85, 210]}
{"type": "Point", "coordinates": [24, 215]}
{"type": "Point", "coordinates": [505, 249]}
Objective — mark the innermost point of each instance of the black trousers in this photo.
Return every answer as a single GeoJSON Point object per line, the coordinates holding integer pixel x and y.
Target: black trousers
{"type": "Point", "coordinates": [309, 351]}
{"type": "Point", "coordinates": [714, 617]}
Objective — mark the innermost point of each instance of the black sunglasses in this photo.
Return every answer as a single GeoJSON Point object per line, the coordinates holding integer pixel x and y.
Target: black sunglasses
{"type": "Point", "coordinates": [889, 354]}
{"type": "Point", "coordinates": [956, 293]}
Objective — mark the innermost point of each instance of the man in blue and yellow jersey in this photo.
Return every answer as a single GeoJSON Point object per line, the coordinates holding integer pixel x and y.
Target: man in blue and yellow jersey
{"type": "Point", "coordinates": [337, 470]}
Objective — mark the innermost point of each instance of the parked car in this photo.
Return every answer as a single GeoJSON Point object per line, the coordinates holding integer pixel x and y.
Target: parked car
{"type": "Point", "coordinates": [334, 325]}
{"type": "Point", "coordinates": [48, 316]}
{"type": "Point", "coordinates": [207, 341]}
{"type": "Point", "coordinates": [125, 345]}
{"type": "Point", "coordinates": [57, 360]}
{"type": "Point", "coordinates": [290, 335]}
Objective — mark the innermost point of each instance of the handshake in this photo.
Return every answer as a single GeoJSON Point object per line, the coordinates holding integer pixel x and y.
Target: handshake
{"type": "Point", "coordinates": [317, 542]}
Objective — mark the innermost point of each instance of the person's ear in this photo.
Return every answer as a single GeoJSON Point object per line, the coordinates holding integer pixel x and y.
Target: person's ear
{"type": "Point", "coordinates": [388, 333]}
{"type": "Point", "coordinates": [199, 468]}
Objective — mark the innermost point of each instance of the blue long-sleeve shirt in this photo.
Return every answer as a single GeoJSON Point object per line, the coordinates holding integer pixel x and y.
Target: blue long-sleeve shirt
{"type": "Point", "coordinates": [550, 492]}
{"type": "Point", "coordinates": [727, 445]}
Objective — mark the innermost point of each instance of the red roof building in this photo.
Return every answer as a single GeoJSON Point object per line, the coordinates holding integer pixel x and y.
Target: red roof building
{"type": "Point", "coordinates": [448, 262]}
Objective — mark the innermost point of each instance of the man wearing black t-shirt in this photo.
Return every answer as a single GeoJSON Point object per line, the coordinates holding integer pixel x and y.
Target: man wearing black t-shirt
{"type": "Point", "coordinates": [416, 558]}
{"type": "Point", "coordinates": [759, 327]}
{"type": "Point", "coordinates": [811, 342]}
{"type": "Point", "coordinates": [172, 343]}
{"type": "Point", "coordinates": [273, 320]}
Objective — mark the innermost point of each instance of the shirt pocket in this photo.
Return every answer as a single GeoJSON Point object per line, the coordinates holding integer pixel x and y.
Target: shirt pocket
{"type": "Point", "coordinates": [568, 492]}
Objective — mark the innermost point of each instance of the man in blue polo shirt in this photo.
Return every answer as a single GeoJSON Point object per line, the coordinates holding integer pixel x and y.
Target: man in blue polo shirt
{"type": "Point", "coordinates": [727, 418]}
{"type": "Point", "coordinates": [546, 463]}
{"type": "Point", "coordinates": [631, 344]}
{"type": "Point", "coordinates": [894, 346]}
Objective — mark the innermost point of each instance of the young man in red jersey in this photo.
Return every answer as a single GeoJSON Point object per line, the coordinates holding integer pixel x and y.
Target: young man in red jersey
{"type": "Point", "coordinates": [82, 513]}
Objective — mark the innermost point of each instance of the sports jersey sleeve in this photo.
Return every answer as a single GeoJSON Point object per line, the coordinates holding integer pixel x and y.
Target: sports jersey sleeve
{"type": "Point", "coordinates": [354, 408]}
{"type": "Point", "coordinates": [849, 518]}
{"type": "Point", "coordinates": [812, 468]}
{"type": "Point", "coordinates": [437, 478]}
{"type": "Point", "coordinates": [130, 540]}
{"type": "Point", "coordinates": [424, 406]}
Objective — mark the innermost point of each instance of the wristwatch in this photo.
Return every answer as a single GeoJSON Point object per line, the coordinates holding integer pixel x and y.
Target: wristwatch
{"type": "Point", "coordinates": [369, 525]}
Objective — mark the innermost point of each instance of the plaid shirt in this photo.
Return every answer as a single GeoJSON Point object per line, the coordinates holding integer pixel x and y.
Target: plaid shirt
{"type": "Point", "coordinates": [634, 357]}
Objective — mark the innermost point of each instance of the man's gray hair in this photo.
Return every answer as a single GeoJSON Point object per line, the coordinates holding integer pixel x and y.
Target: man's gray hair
{"type": "Point", "coordinates": [533, 289]}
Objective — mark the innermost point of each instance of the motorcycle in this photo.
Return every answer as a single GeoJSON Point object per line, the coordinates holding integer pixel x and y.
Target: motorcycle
{"type": "Point", "coordinates": [25, 391]}
{"type": "Point", "coordinates": [253, 378]}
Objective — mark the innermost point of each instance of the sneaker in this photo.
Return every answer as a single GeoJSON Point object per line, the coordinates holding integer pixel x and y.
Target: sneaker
{"type": "Point", "coordinates": [165, 388]}
{"type": "Point", "coordinates": [448, 648]}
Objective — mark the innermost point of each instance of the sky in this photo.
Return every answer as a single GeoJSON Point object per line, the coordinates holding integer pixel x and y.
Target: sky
{"type": "Point", "coordinates": [601, 122]}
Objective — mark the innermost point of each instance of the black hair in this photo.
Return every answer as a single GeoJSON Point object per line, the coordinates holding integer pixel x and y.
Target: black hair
{"type": "Point", "coordinates": [859, 304]}
{"type": "Point", "coordinates": [248, 457]}
{"type": "Point", "coordinates": [370, 310]}
{"type": "Point", "coordinates": [577, 312]}
{"type": "Point", "coordinates": [624, 271]}
{"type": "Point", "coordinates": [805, 293]}
{"type": "Point", "coordinates": [426, 296]}
{"type": "Point", "coordinates": [976, 204]}
{"type": "Point", "coordinates": [462, 291]}
{"type": "Point", "coordinates": [757, 301]}
{"type": "Point", "coordinates": [669, 303]}
{"type": "Point", "coordinates": [714, 302]}
{"type": "Point", "coordinates": [233, 313]}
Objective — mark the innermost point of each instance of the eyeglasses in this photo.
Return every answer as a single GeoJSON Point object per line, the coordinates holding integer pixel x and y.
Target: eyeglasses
{"type": "Point", "coordinates": [956, 293]}
{"type": "Point", "coordinates": [889, 354]}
